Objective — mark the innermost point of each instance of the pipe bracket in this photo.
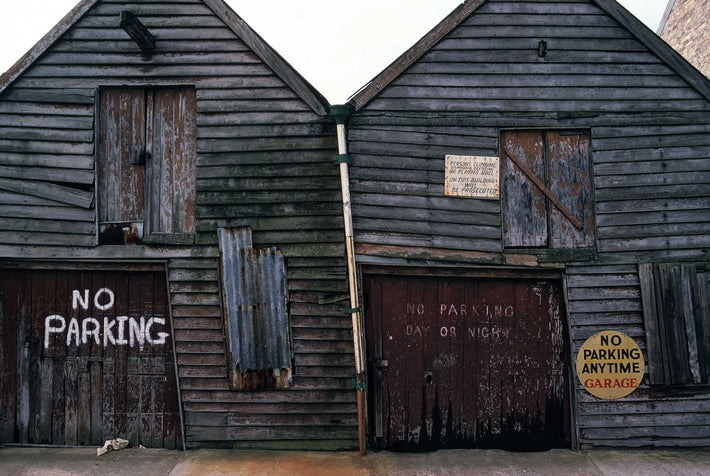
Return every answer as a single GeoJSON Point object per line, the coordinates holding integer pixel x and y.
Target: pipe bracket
{"type": "Point", "coordinates": [343, 159]}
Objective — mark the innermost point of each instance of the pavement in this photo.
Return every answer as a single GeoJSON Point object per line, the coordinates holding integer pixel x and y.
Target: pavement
{"type": "Point", "coordinates": [139, 462]}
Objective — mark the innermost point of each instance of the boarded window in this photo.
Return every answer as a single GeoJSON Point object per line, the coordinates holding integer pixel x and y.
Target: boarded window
{"type": "Point", "coordinates": [676, 307]}
{"type": "Point", "coordinates": [546, 189]}
{"type": "Point", "coordinates": [146, 166]}
{"type": "Point", "coordinates": [254, 301]}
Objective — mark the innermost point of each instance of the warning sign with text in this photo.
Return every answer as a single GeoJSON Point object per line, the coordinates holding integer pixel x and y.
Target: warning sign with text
{"type": "Point", "coordinates": [472, 176]}
{"type": "Point", "coordinates": [610, 365]}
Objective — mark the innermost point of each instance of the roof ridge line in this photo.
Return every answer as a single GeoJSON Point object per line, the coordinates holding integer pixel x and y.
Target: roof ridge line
{"type": "Point", "coordinates": [628, 21]}
{"type": "Point", "coordinates": [309, 94]}
{"type": "Point", "coordinates": [363, 95]}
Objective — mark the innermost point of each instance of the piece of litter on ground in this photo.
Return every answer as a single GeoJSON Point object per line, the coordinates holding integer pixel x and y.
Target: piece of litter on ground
{"type": "Point", "coordinates": [112, 445]}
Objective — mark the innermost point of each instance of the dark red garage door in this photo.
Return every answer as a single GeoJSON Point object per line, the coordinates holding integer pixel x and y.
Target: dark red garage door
{"type": "Point", "coordinates": [467, 363]}
{"type": "Point", "coordinates": [86, 356]}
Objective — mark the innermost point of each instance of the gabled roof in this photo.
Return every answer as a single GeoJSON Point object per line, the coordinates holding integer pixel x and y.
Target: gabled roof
{"type": "Point", "coordinates": [654, 43]}
{"type": "Point", "coordinates": [233, 21]}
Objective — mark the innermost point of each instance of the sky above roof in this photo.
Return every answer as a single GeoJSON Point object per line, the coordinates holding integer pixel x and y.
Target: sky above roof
{"type": "Point", "coordinates": [337, 45]}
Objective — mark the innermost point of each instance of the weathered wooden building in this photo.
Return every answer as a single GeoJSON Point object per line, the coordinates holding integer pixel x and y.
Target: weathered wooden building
{"type": "Point", "coordinates": [171, 238]}
{"type": "Point", "coordinates": [585, 209]}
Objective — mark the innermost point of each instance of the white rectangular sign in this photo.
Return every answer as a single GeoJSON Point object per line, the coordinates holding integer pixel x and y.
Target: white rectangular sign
{"type": "Point", "coordinates": [472, 176]}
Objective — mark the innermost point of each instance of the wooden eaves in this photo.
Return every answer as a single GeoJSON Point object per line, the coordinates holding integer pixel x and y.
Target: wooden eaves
{"type": "Point", "coordinates": [233, 21]}
{"type": "Point", "coordinates": [653, 42]}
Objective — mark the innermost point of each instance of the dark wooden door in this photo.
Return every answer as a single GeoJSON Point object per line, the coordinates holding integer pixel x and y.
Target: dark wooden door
{"type": "Point", "coordinates": [466, 363]}
{"type": "Point", "coordinates": [86, 356]}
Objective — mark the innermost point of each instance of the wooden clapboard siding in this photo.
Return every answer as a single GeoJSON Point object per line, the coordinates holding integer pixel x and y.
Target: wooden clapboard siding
{"type": "Point", "coordinates": [47, 125]}
{"type": "Point", "coordinates": [323, 361]}
{"type": "Point", "coordinates": [636, 210]}
{"type": "Point", "coordinates": [263, 160]}
{"type": "Point", "coordinates": [402, 168]}
{"type": "Point", "coordinates": [651, 171]}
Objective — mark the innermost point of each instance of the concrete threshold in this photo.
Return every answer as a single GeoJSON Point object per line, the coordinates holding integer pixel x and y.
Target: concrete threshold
{"type": "Point", "coordinates": [139, 462]}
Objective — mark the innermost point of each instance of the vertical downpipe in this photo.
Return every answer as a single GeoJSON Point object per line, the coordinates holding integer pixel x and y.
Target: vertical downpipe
{"type": "Point", "coordinates": [340, 114]}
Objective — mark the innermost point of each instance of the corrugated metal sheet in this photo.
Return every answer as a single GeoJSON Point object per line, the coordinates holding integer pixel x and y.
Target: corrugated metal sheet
{"type": "Point", "coordinates": [256, 318]}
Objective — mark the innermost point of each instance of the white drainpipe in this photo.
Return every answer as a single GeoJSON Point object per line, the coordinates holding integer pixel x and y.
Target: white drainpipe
{"type": "Point", "coordinates": [340, 114]}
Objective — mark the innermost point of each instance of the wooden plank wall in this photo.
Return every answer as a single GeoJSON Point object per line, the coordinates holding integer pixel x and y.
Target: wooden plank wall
{"type": "Point", "coordinates": [651, 168]}
{"type": "Point", "coordinates": [263, 161]}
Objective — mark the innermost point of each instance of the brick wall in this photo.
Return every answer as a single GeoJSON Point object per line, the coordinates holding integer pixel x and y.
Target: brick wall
{"type": "Point", "coordinates": [688, 31]}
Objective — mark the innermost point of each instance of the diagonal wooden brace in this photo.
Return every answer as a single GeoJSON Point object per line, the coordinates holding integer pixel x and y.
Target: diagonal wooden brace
{"type": "Point", "coordinates": [137, 31]}
{"type": "Point", "coordinates": [564, 210]}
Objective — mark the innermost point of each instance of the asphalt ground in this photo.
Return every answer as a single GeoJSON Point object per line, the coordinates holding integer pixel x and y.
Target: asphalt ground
{"type": "Point", "coordinates": [139, 461]}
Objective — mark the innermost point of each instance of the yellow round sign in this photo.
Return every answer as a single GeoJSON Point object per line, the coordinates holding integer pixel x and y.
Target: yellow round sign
{"type": "Point", "coordinates": [610, 365]}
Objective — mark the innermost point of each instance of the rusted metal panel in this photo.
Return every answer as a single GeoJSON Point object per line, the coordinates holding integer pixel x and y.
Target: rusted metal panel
{"type": "Point", "coordinates": [467, 362]}
{"type": "Point", "coordinates": [255, 314]}
{"type": "Point", "coordinates": [87, 356]}
{"type": "Point", "coordinates": [146, 169]}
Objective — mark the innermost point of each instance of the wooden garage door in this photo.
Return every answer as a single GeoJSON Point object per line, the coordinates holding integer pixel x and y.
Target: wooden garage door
{"type": "Point", "coordinates": [86, 356]}
{"type": "Point", "coordinates": [466, 363]}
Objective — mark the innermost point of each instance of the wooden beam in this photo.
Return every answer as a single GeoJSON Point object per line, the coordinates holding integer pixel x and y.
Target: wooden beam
{"type": "Point", "coordinates": [650, 318]}
{"type": "Point", "coordinates": [50, 191]}
{"type": "Point", "coordinates": [108, 252]}
{"type": "Point", "coordinates": [137, 31]}
{"type": "Point", "coordinates": [548, 193]}
{"type": "Point", "coordinates": [441, 254]}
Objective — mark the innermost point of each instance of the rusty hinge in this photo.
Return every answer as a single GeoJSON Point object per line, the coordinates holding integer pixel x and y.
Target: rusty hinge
{"type": "Point", "coordinates": [548, 193]}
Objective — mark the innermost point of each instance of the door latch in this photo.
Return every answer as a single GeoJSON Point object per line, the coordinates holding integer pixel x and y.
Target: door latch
{"type": "Point", "coordinates": [138, 155]}
{"type": "Point", "coordinates": [381, 364]}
